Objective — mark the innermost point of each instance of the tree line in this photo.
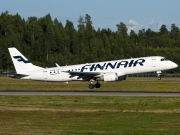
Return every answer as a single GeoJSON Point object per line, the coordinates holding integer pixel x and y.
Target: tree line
{"type": "Point", "coordinates": [45, 41]}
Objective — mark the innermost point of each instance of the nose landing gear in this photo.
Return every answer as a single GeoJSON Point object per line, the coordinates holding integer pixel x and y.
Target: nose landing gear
{"type": "Point", "coordinates": [91, 86]}
{"type": "Point", "coordinates": [97, 85]}
{"type": "Point", "coordinates": [159, 75]}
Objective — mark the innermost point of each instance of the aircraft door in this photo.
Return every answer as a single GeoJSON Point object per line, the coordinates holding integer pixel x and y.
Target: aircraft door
{"type": "Point", "coordinates": [45, 74]}
{"type": "Point", "coordinates": [154, 62]}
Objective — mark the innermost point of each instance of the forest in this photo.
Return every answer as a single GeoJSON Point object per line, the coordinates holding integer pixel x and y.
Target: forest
{"type": "Point", "coordinates": [45, 41]}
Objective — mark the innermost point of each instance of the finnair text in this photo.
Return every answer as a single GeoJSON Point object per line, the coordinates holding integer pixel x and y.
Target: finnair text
{"type": "Point", "coordinates": [114, 65]}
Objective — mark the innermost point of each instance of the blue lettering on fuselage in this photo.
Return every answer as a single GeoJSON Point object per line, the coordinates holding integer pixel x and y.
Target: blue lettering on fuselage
{"type": "Point", "coordinates": [84, 67]}
{"type": "Point", "coordinates": [92, 67]}
{"type": "Point", "coordinates": [114, 65]}
{"type": "Point", "coordinates": [111, 65]}
{"type": "Point", "coordinates": [139, 61]}
{"type": "Point", "coordinates": [99, 66]}
{"type": "Point", "coordinates": [122, 63]}
{"type": "Point", "coordinates": [131, 63]}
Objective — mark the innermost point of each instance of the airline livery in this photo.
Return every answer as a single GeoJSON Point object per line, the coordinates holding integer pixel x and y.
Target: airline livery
{"type": "Point", "coordinates": [100, 71]}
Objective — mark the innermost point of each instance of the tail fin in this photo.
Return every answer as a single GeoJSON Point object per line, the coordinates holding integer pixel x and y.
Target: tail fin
{"type": "Point", "coordinates": [21, 63]}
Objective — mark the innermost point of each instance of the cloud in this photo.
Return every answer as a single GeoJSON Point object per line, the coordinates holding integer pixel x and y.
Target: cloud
{"type": "Point", "coordinates": [132, 25]}
{"type": "Point", "coordinates": [152, 24]}
{"type": "Point", "coordinates": [133, 22]}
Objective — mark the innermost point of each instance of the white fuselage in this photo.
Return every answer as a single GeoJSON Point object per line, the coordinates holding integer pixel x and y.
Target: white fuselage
{"type": "Point", "coordinates": [121, 67]}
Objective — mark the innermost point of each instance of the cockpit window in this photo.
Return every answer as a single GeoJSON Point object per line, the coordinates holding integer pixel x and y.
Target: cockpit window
{"type": "Point", "coordinates": [164, 59]}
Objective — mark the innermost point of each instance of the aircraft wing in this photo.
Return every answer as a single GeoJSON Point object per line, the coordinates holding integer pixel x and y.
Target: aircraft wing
{"type": "Point", "coordinates": [85, 75]}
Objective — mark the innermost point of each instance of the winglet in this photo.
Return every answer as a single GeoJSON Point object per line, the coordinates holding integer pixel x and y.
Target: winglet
{"type": "Point", "coordinates": [57, 65]}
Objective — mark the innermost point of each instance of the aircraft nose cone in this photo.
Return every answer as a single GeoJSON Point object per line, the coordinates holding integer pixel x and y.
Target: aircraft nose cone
{"type": "Point", "coordinates": [174, 65]}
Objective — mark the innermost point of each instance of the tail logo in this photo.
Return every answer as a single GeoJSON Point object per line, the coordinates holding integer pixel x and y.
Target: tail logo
{"type": "Point", "coordinates": [19, 58]}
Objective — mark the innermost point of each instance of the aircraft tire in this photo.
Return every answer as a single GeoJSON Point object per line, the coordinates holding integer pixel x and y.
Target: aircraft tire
{"type": "Point", "coordinates": [97, 85]}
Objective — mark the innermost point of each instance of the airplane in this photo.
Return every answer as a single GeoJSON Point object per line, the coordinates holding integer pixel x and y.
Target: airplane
{"type": "Point", "coordinates": [107, 71]}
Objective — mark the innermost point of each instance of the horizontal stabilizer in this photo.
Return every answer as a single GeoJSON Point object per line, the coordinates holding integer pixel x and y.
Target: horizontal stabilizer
{"type": "Point", "coordinates": [16, 75]}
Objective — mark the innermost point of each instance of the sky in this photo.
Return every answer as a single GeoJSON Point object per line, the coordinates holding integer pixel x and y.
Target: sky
{"type": "Point", "coordinates": [135, 14]}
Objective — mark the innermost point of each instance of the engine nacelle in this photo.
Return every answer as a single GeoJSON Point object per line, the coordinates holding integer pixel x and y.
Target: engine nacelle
{"type": "Point", "coordinates": [121, 78]}
{"type": "Point", "coordinates": [110, 77]}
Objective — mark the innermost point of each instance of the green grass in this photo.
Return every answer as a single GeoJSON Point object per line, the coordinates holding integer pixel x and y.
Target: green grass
{"type": "Point", "coordinates": [75, 115]}
{"type": "Point", "coordinates": [131, 84]}
{"type": "Point", "coordinates": [89, 115]}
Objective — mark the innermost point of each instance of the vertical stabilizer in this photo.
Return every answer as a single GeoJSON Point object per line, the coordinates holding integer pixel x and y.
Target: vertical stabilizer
{"type": "Point", "coordinates": [21, 63]}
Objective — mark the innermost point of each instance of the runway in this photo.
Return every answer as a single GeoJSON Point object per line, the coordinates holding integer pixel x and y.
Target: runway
{"type": "Point", "coordinates": [88, 93]}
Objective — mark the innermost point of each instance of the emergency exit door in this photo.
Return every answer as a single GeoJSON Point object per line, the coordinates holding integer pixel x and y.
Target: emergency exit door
{"type": "Point", "coordinates": [45, 74]}
{"type": "Point", "coordinates": [154, 62]}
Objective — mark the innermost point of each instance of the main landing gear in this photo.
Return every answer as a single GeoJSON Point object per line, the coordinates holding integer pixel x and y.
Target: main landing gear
{"type": "Point", "coordinates": [97, 85]}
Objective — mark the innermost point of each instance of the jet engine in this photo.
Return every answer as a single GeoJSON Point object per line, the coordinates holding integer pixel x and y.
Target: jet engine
{"type": "Point", "coordinates": [109, 77]}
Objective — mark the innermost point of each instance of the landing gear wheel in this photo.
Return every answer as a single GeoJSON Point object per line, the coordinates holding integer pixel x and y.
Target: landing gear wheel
{"type": "Point", "coordinates": [91, 86]}
{"type": "Point", "coordinates": [97, 85]}
{"type": "Point", "coordinates": [159, 77]}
